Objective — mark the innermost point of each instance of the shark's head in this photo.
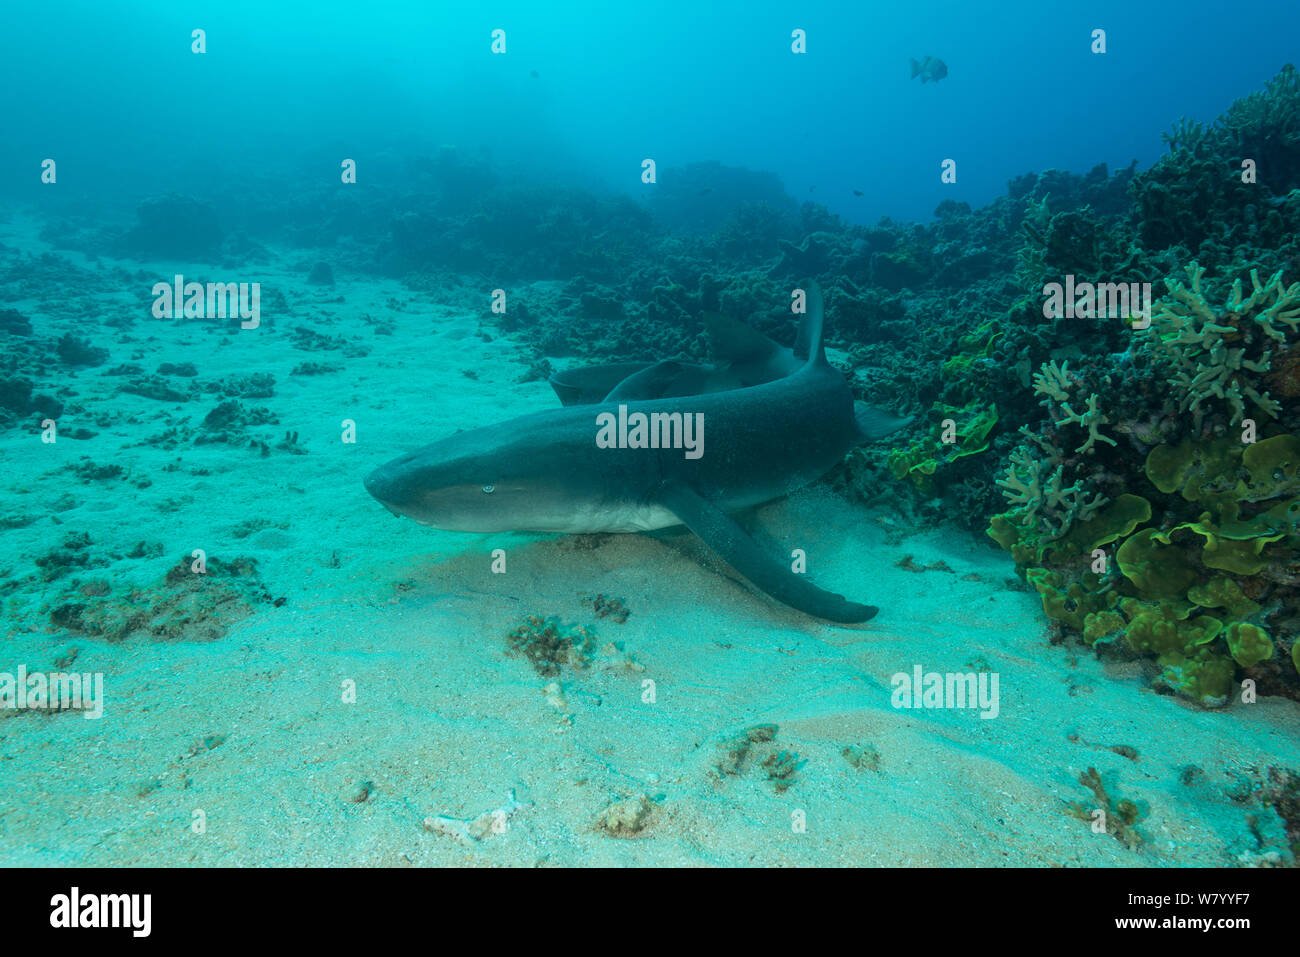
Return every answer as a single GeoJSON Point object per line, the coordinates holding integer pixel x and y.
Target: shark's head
{"type": "Point", "coordinates": [473, 482]}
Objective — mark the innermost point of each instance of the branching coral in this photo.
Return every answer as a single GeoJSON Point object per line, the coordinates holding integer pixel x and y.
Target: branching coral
{"type": "Point", "coordinates": [1053, 383]}
{"type": "Point", "coordinates": [1213, 352]}
{"type": "Point", "coordinates": [1089, 420]}
{"type": "Point", "coordinates": [1040, 499]}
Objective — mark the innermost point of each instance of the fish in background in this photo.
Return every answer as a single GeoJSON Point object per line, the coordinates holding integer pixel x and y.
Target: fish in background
{"type": "Point", "coordinates": [930, 68]}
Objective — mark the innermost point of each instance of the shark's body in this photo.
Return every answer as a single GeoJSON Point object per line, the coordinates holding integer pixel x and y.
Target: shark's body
{"type": "Point", "coordinates": [545, 472]}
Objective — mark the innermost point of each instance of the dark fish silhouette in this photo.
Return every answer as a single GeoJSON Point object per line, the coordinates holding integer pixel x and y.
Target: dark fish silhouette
{"type": "Point", "coordinates": [930, 68]}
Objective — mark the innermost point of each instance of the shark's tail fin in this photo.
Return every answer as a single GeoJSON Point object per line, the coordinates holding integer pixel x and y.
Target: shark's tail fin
{"type": "Point", "coordinates": [808, 344]}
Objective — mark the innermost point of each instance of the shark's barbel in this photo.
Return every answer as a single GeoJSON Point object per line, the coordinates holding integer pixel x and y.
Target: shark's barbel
{"type": "Point", "coordinates": [545, 472]}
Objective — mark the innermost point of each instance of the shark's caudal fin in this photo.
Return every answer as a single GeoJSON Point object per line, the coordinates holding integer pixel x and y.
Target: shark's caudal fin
{"type": "Point", "coordinates": [589, 384]}
{"type": "Point", "coordinates": [808, 345]}
{"type": "Point", "coordinates": [720, 532]}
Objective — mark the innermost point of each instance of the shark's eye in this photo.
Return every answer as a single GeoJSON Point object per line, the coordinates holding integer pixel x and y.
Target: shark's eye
{"type": "Point", "coordinates": [489, 489]}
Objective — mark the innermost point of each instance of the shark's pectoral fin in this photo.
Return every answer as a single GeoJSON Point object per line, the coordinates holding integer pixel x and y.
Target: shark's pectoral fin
{"type": "Point", "coordinates": [720, 532]}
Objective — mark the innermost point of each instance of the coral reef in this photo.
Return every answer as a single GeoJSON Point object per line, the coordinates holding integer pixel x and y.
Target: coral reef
{"type": "Point", "coordinates": [1141, 474]}
{"type": "Point", "coordinates": [184, 606]}
{"type": "Point", "coordinates": [549, 646]}
{"type": "Point", "coordinates": [1202, 575]}
{"type": "Point", "coordinates": [174, 227]}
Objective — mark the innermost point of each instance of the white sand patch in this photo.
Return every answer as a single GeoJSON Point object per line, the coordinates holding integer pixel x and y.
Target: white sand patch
{"type": "Point", "coordinates": [252, 730]}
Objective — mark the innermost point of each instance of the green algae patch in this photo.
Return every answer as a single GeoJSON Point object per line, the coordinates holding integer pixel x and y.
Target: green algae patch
{"type": "Point", "coordinates": [1274, 466]}
{"type": "Point", "coordinates": [1115, 521]}
{"type": "Point", "coordinates": [920, 462]}
{"type": "Point", "coordinates": [1223, 592]}
{"type": "Point", "coordinates": [1156, 570]}
{"type": "Point", "coordinates": [1229, 549]}
{"type": "Point", "coordinates": [1103, 627]}
{"type": "Point", "coordinates": [1169, 627]}
{"type": "Point", "coordinates": [1199, 471]}
{"type": "Point", "coordinates": [1167, 466]}
{"type": "Point", "coordinates": [1070, 603]}
{"type": "Point", "coordinates": [1248, 643]}
{"type": "Point", "coordinates": [1205, 677]}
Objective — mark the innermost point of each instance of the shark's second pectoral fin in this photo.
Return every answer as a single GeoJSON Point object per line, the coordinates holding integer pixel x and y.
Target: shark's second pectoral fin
{"type": "Point", "coordinates": [720, 532]}
{"type": "Point", "coordinates": [652, 382]}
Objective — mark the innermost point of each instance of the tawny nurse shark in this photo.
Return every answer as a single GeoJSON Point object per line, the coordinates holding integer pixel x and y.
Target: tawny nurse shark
{"type": "Point", "coordinates": [775, 420]}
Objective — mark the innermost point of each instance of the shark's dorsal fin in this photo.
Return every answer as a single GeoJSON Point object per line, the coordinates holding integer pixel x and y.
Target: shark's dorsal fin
{"type": "Point", "coordinates": [736, 342]}
{"type": "Point", "coordinates": [721, 533]}
{"type": "Point", "coordinates": [808, 345]}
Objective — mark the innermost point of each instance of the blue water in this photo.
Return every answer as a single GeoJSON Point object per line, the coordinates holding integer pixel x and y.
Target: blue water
{"type": "Point", "coordinates": [184, 509]}
{"type": "Point", "coordinates": [114, 91]}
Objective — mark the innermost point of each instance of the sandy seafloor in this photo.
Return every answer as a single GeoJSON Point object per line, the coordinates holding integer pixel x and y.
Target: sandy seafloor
{"type": "Point", "coordinates": [251, 728]}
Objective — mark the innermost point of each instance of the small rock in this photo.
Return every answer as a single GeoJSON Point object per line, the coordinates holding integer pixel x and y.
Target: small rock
{"type": "Point", "coordinates": [627, 817]}
{"type": "Point", "coordinates": [361, 793]}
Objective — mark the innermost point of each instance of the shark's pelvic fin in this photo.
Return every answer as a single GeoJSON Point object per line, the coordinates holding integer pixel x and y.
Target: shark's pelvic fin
{"type": "Point", "coordinates": [875, 424]}
{"type": "Point", "coordinates": [720, 532]}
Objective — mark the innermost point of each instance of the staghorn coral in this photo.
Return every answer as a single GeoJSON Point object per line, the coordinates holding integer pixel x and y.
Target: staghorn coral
{"type": "Point", "coordinates": [1089, 420]}
{"type": "Point", "coordinates": [1220, 354]}
{"type": "Point", "coordinates": [1053, 382]}
{"type": "Point", "coordinates": [1041, 500]}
